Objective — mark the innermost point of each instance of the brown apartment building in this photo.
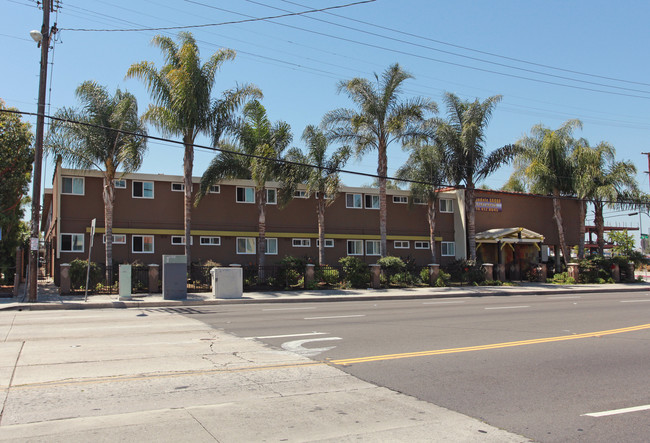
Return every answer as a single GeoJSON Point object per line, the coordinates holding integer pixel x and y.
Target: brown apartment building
{"type": "Point", "coordinates": [148, 223]}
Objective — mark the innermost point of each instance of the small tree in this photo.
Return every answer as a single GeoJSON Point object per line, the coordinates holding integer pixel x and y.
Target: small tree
{"type": "Point", "coordinates": [623, 242]}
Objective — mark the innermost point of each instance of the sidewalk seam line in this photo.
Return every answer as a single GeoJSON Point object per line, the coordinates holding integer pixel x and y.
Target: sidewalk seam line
{"type": "Point", "coordinates": [11, 380]}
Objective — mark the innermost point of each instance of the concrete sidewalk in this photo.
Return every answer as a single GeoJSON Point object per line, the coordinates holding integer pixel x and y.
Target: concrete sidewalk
{"type": "Point", "coordinates": [49, 298]}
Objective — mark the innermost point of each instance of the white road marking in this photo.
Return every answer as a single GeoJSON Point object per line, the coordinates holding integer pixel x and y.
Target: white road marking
{"type": "Point", "coordinates": [442, 302]}
{"type": "Point", "coordinates": [618, 411]}
{"type": "Point", "coordinates": [555, 297]}
{"type": "Point", "coordinates": [337, 316]}
{"type": "Point", "coordinates": [509, 307]}
{"type": "Point", "coordinates": [286, 309]}
{"type": "Point", "coordinates": [287, 335]}
{"type": "Point", "coordinates": [632, 301]}
{"type": "Point", "coordinates": [296, 346]}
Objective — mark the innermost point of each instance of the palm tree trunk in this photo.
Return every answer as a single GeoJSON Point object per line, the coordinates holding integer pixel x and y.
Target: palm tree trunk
{"type": "Point", "coordinates": [599, 221]}
{"type": "Point", "coordinates": [431, 216]}
{"type": "Point", "coordinates": [109, 200]}
{"type": "Point", "coordinates": [382, 170]}
{"type": "Point", "coordinates": [581, 233]}
{"type": "Point", "coordinates": [188, 163]}
{"type": "Point", "coordinates": [471, 221]}
{"type": "Point", "coordinates": [321, 228]}
{"type": "Point", "coordinates": [557, 215]}
{"type": "Point", "coordinates": [261, 224]}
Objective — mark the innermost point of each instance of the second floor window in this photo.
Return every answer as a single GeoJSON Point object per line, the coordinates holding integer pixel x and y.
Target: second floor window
{"type": "Point", "coordinates": [446, 205]}
{"type": "Point", "coordinates": [178, 187]}
{"type": "Point", "coordinates": [72, 185]}
{"type": "Point", "coordinates": [245, 195]}
{"type": "Point", "coordinates": [353, 201]}
{"type": "Point", "coordinates": [372, 201]}
{"type": "Point", "coordinates": [142, 189]}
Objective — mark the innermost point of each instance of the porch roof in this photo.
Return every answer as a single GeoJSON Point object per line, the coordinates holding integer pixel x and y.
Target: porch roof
{"type": "Point", "coordinates": [509, 235]}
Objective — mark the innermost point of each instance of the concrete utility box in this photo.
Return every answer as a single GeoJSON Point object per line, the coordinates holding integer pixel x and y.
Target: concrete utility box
{"type": "Point", "coordinates": [227, 282]}
{"type": "Point", "coordinates": [125, 282]}
{"type": "Point", "coordinates": [174, 285]}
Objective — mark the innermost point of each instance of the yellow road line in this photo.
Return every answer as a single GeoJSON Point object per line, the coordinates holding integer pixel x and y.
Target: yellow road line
{"type": "Point", "coordinates": [350, 361]}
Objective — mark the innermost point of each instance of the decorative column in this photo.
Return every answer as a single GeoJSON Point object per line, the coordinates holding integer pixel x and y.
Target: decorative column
{"type": "Point", "coordinates": [630, 272]}
{"type": "Point", "coordinates": [154, 278]}
{"type": "Point", "coordinates": [574, 271]}
{"type": "Point", "coordinates": [309, 275]}
{"type": "Point", "coordinates": [434, 272]}
{"type": "Point", "coordinates": [375, 271]}
{"type": "Point", "coordinates": [488, 269]}
{"type": "Point", "coordinates": [541, 272]}
{"type": "Point", "coordinates": [64, 287]}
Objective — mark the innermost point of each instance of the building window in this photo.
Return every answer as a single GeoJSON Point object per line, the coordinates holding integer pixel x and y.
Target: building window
{"type": "Point", "coordinates": [211, 241]}
{"type": "Point", "coordinates": [373, 247]}
{"type": "Point", "coordinates": [142, 189]}
{"type": "Point", "coordinates": [245, 195]}
{"type": "Point", "coordinates": [119, 183]}
{"type": "Point", "coordinates": [271, 196]}
{"type": "Point", "coordinates": [142, 244]}
{"type": "Point", "coordinates": [353, 200]}
{"type": "Point", "coordinates": [73, 185]}
{"type": "Point", "coordinates": [401, 244]}
{"type": "Point", "coordinates": [421, 245]}
{"type": "Point", "coordinates": [372, 201]}
{"type": "Point", "coordinates": [327, 196]}
{"type": "Point", "coordinates": [446, 205]}
{"type": "Point", "coordinates": [301, 242]}
{"type": "Point", "coordinates": [180, 240]}
{"type": "Point", "coordinates": [400, 199]}
{"type": "Point", "coordinates": [215, 189]}
{"type": "Point", "coordinates": [329, 243]}
{"type": "Point", "coordinates": [355, 247]}
{"type": "Point", "coordinates": [299, 194]}
{"type": "Point", "coordinates": [72, 243]}
{"type": "Point", "coordinates": [447, 248]}
{"type": "Point", "coordinates": [419, 201]}
{"type": "Point", "coordinates": [271, 246]}
{"type": "Point", "coordinates": [178, 187]}
{"type": "Point", "coordinates": [245, 245]}
{"type": "Point", "coordinates": [118, 239]}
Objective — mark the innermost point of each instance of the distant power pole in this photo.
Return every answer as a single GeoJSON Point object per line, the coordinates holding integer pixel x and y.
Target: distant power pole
{"type": "Point", "coordinates": [648, 171]}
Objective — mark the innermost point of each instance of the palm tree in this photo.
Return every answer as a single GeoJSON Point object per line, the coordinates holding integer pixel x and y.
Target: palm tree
{"type": "Point", "coordinates": [260, 145]}
{"type": "Point", "coordinates": [382, 118]}
{"type": "Point", "coordinates": [545, 163]}
{"type": "Point", "coordinates": [182, 92]}
{"type": "Point", "coordinates": [463, 137]}
{"type": "Point", "coordinates": [427, 167]}
{"type": "Point", "coordinates": [602, 181]}
{"type": "Point", "coordinates": [322, 178]}
{"type": "Point", "coordinates": [98, 142]}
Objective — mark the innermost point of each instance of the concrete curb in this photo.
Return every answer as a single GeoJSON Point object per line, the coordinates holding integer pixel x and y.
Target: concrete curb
{"type": "Point", "coordinates": [298, 298]}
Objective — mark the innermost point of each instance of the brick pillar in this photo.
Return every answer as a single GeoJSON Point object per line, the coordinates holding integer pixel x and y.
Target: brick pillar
{"type": "Point", "coordinates": [16, 283]}
{"type": "Point", "coordinates": [434, 272]}
{"type": "Point", "coordinates": [375, 271]}
{"type": "Point", "coordinates": [574, 271]}
{"type": "Point", "coordinates": [501, 272]}
{"type": "Point", "coordinates": [64, 287]}
{"type": "Point", "coordinates": [488, 269]}
{"type": "Point", "coordinates": [630, 271]}
{"type": "Point", "coordinates": [309, 274]}
{"type": "Point", "coordinates": [154, 278]}
{"type": "Point", "coordinates": [616, 273]}
{"type": "Point", "coordinates": [541, 272]}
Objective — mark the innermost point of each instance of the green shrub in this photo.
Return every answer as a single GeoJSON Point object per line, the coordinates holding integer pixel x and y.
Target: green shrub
{"type": "Point", "coordinates": [465, 271]}
{"type": "Point", "coordinates": [442, 280]}
{"type": "Point", "coordinates": [292, 269]}
{"type": "Point", "coordinates": [492, 283]}
{"type": "Point", "coordinates": [78, 269]}
{"type": "Point", "coordinates": [327, 276]}
{"type": "Point", "coordinates": [424, 276]}
{"type": "Point", "coordinates": [562, 279]}
{"type": "Point", "coordinates": [357, 273]}
{"type": "Point", "coordinates": [401, 279]}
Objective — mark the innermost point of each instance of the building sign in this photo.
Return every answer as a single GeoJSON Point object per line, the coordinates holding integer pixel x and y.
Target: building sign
{"type": "Point", "coordinates": [488, 204]}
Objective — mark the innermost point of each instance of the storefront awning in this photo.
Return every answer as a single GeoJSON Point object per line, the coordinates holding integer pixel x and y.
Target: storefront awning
{"type": "Point", "coordinates": [509, 235]}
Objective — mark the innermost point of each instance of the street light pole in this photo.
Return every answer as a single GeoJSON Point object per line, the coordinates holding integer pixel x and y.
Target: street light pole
{"type": "Point", "coordinates": [38, 155]}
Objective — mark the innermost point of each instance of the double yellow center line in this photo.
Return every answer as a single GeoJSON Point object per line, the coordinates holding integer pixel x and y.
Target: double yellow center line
{"type": "Point", "coordinates": [351, 361]}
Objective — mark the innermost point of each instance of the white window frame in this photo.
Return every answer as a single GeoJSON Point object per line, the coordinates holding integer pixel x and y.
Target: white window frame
{"type": "Point", "coordinates": [401, 244]}
{"type": "Point", "coordinates": [327, 196]}
{"type": "Point", "coordinates": [301, 242]}
{"type": "Point", "coordinates": [300, 194]}
{"type": "Point", "coordinates": [133, 182]}
{"type": "Point", "coordinates": [122, 238]}
{"type": "Point", "coordinates": [448, 205]}
{"type": "Point", "coordinates": [206, 240]}
{"type": "Point", "coordinates": [118, 182]}
{"type": "Point", "coordinates": [329, 242]}
{"type": "Point", "coordinates": [142, 236]}
{"type": "Point", "coordinates": [271, 240]}
{"type": "Point", "coordinates": [422, 245]}
{"type": "Point", "coordinates": [73, 179]}
{"type": "Point", "coordinates": [444, 249]}
{"type": "Point", "coordinates": [400, 199]}
{"type": "Point", "coordinates": [245, 190]}
{"type": "Point", "coordinates": [373, 199]}
{"type": "Point", "coordinates": [248, 241]}
{"type": "Point", "coordinates": [178, 187]}
{"type": "Point", "coordinates": [354, 198]}
{"type": "Point", "coordinates": [215, 189]}
{"type": "Point", "coordinates": [357, 242]}
{"type": "Point", "coordinates": [73, 235]}
{"type": "Point", "coordinates": [274, 192]}
{"type": "Point", "coordinates": [179, 240]}
{"type": "Point", "coordinates": [376, 247]}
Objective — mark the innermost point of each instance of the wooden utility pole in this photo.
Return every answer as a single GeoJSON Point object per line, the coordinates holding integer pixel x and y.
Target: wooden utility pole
{"type": "Point", "coordinates": [32, 280]}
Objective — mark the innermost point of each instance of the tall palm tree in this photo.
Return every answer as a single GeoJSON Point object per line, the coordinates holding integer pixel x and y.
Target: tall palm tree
{"type": "Point", "coordinates": [98, 143]}
{"type": "Point", "coordinates": [602, 181]}
{"type": "Point", "coordinates": [427, 167]}
{"type": "Point", "coordinates": [322, 179]}
{"type": "Point", "coordinates": [546, 164]}
{"type": "Point", "coordinates": [463, 137]}
{"type": "Point", "coordinates": [260, 144]}
{"type": "Point", "coordinates": [182, 92]}
{"type": "Point", "coordinates": [382, 117]}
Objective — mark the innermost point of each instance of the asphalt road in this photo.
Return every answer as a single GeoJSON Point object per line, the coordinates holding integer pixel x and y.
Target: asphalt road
{"type": "Point", "coordinates": [533, 365]}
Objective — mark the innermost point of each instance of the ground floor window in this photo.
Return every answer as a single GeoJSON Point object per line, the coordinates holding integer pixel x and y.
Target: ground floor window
{"type": "Point", "coordinates": [301, 243]}
{"type": "Point", "coordinates": [211, 241]}
{"type": "Point", "coordinates": [448, 248]}
{"type": "Point", "coordinates": [400, 244]}
{"type": "Point", "coordinates": [329, 243]}
{"type": "Point", "coordinates": [373, 247]}
{"type": "Point", "coordinates": [118, 239]}
{"type": "Point", "coordinates": [245, 245]}
{"type": "Point", "coordinates": [421, 245]}
{"type": "Point", "coordinates": [142, 244]}
{"type": "Point", "coordinates": [271, 246]}
{"type": "Point", "coordinates": [72, 243]}
{"type": "Point", "coordinates": [355, 247]}
{"type": "Point", "coordinates": [180, 240]}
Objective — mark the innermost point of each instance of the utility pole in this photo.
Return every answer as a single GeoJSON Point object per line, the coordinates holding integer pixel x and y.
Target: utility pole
{"type": "Point", "coordinates": [38, 154]}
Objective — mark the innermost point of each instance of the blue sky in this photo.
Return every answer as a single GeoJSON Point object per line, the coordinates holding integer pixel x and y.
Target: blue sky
{"type": "Point", "coordinates": [297, 62]}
